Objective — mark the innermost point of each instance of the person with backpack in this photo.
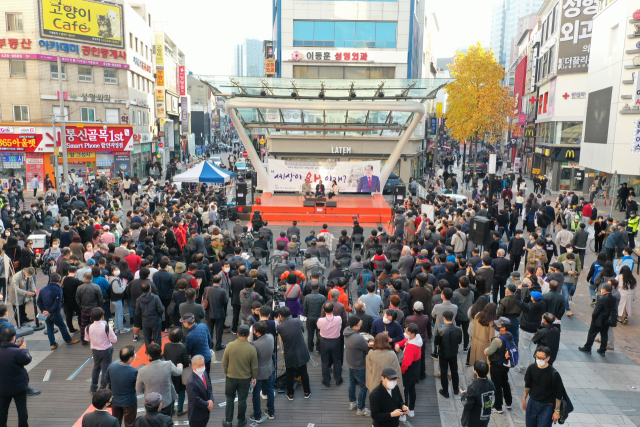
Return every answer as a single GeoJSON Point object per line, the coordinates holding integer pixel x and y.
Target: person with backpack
{"type": "Point", "coordinates": [117, 287]}
{"type": "Point", "coordinates": [503, 354]}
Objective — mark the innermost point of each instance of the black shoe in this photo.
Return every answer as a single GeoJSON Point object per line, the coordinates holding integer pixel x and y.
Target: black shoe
{"type": "Point", "coordinates": [73, 331]}
{"type": "Point", "coordinates": [226, 423]}
{"type": "Point", "coordinates": [456, 391]}
{"type": "Point", "coordinates": [423, 377]}
{"type": "Point", "coordinates": [601, 352]}
{"type": "Point", "coordinates": [326, 384]}
{"type": "Point", "coordinates": [585, 350]}
{"type": "Point", "coordinates": [255, 420]}
{"type": "Point", "coordinates": [33, 392]}
{"type": "Point", "coordinates": [444, 393]}
{"type": "Point", "coordinates": [339, 382]}
{"type": "Point", "coordinates": [434, 356]}
{"type": "Point", "coordinates": [242, 424]}
{"type": "Point", "coordinates": [221, 347]}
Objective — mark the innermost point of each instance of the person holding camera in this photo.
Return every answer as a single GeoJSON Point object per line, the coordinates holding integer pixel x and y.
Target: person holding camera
{"type": "Point", "coordinates": [385, 401]}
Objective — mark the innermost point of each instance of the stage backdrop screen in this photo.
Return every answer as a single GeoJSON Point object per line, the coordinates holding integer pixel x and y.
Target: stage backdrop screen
{"type": "Point", "coordinates": [352, 177]}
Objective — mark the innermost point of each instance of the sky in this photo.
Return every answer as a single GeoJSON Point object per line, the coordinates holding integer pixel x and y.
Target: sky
{"type": "Point", "coordinates": [207, 31]}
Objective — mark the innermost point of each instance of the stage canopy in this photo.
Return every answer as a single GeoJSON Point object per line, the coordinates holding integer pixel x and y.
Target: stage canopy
{"type": "Point", "coordinates": [205, 172]}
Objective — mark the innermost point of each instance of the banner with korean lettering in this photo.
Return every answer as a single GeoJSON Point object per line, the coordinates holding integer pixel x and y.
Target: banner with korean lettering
{"type": "Point", "coordinates": [28, 143]}
{"type": "Point", "coordinates": [182, 80]}
{"type": "Point", "coordinates": [351, 177]}
{"type": "Point", "coordinates": [99, 139]}
{"type": "Point", "coordinates": [92, 22]}
{"type": "Point", "coordinates": [575, 35]}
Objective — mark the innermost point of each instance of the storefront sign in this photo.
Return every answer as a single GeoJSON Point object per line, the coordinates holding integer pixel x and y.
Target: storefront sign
{"type": "Point", "coordinates": [160, 76]}
{"type": "Point", "coordinates": [575, 36]}
{"type": "Point", "coordinates": [340, 150]}
{"type": "Point", "coordinates": [182, 80]}
{"type": "Point", "coordinates": [122, 163]}
{"type": "Point", "coordinates": [12, 161]}
{"type": "Point", "coordinates": [90, 21]}
{"type": "Point", "coordinates": [635, 145]}
{"type": "Point", "coordinates": [522, 119]}
{"type": "Point", "coordinates": [35, 166]}
{"type": "Point", "coordinates": [146, 67]}
{"type": "Point", "coordinates": [552, 97]}
{"type": "Point", "coordinates": [351, 177]}
{"type": "Point", "coordinates": [20, 142]}
{"type": "Point", "coordinates": [80, 61]}
{"type": "Point", "coordinates": [14, 43]}
{"type": "Point", "coordinates": [341, 55]}
{"type": "Point", "coordinates": [270, 67]}
{"type": "Point", "coordinates": [536, 171]}
{"type": "Point", "coordinates": [96, 138]}
{"type": "Point", "coordinates": [578, 95]}
{"type": "Point", "coordinates": [159, 49]}
{"type": "Point", "coordinates": [297, 55]}
{"type": "Point", "coordinates": [93, 97]}
{"type": "Point", "coordinates": [184, 115]}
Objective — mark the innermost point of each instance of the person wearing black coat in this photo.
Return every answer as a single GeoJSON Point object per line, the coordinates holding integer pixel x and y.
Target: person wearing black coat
{"type": "Point", "coordinates": [296, 354]}
{"type": "Point", "coordinates": [217, 298]}
{"type": "Point", "coordinates": [15, 378]}
{"type": "Point", "coordinates": [164, 283]}
{"type": "Point", "coordinates": [603, 316]}
{"type": "Point", "coordinates": [237, 286]}
{"type": "Point", "coordinates": [533, 307]}
{"type": "Point", "coordinates": [100, 417]}
{"type": "Point", "coordinates": [176, 352]}
{"type": "Point", "coordinates": [548, 336]}
{"type": "Point", "coordinates": [386, 408]}
{"type": "Point", "coordinates": [501, 271]}
{"type": "Point", "coordinates": [200, 395]}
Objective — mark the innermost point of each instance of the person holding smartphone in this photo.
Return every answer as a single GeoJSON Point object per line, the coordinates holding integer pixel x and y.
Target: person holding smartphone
{"type": "Point", "coordinates": [385, 401]}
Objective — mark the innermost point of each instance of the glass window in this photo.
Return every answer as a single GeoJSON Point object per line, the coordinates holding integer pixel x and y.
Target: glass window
{"type": "Point", "coordinates": [327, 72]}
{"type": "Point", "coordinates": [386, 31]}
{"type": "Point", "coordinates": [18, 68]}
{"type": "Point", "coordinates": [345, 34]}
{"type": "Point", "coordinates": [571, 133]}
{"type": "Point", "coordinates": [303, 30]}
{"type": "Point", "coordinates": [87, 114]}
{"type": "Point", "coordinates": [356, 72]}
{"type": "Point", "coordinates": [323, 31]}
{"type": "Point", "coordinates": [110, 76]}
{"type": "Point", "coordinates": [112, 115]}
{"type": "Point", "coordinates": [85, 73]}
{"type": "Point", "coordinates": [366, 31]}
{"type": "Point", "coordinates": [21, 113]}
{"type": "Point", "coordinates": [14, 22]}
{"type": "Point", "coordinates": [331, 72]}
{"type": "Point", "coordinates": [53, 66]}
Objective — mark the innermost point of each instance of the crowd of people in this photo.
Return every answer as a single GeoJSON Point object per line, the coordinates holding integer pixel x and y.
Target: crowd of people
{"type": "Point", "coordinates": [169, 265]}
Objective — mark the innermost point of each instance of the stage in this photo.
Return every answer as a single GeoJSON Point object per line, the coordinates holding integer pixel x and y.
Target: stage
{"type": "Point", "coordinates": [286, 208]}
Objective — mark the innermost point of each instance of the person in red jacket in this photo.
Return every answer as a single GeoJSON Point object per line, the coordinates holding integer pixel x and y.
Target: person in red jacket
{"type": "Point", "coordinates": [134, 261]}
{"type": "Point", "coordinates": [410, 366]}
{"type": "Point", "coordinates": [586, 213]}
{"type": "Point", "coordinates": [181, 237]}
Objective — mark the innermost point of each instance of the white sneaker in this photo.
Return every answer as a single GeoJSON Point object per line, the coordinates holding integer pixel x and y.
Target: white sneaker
{"type": "Point", "coordinates": [411, 414]}
{"type": "Point", "coordinates": [402, 418]}
{"type": "Point", "coordinates": [263, 396]}
{"type": "Point", "coordinates": [353, 405]}
{"type": "Point", "coordinates": [125, 330]}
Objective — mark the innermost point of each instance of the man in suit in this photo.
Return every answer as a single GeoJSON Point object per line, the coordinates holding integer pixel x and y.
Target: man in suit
{"type": "Point", "coordinates": [197, 241]}
{"type": "Point", "coordinates": [320, 189]}
{"type": "Point", "coordinates": [369, 183]}
{"type": "Point", "coordinates": [199, 393]}
{"type": "Point", "coordinates": [156, 377]}
{"type": "Point", "coordinates": [604, 313]}
{"type": "Point", "coordinates": [101, 400]}
{"type": "Point", "coordinates": [405, 264]}
{"type": "Point", "coordinates": [218, 300]}
{"type": "Point", "coordinates": [237, 286]}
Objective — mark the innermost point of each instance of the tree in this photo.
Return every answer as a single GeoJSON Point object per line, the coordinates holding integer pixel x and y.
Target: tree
{"type": "Point", "coordinates": [478, 106]}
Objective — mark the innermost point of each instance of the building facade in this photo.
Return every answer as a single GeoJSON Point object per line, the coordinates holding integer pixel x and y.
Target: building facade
{"type": "Point", "coordinates": [505, 25]}
{"type": "Point", "coordinates": [612, 109]}
{"type": "Point", "coordinates": [353, 40]}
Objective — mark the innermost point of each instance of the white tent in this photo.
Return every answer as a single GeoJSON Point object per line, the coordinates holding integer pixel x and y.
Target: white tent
{"type": "Point", "coordinates": [205, 172]}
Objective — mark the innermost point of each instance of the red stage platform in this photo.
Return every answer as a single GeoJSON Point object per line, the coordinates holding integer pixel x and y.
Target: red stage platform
{"type": "Point", "coordinates": [368, 209]}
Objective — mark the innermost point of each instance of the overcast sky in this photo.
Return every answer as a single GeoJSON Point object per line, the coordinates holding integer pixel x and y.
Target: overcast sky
{"type": "Point", "coordinates": [207, 31]}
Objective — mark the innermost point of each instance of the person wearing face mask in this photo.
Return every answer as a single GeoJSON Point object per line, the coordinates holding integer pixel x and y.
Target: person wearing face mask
{"type": "Point", "coordinates": [543, 385]}
{"type": "Point", "coordinates": [28, 223]}
{"type": "Point", "coordinates": [410, 367]}
{"type": "Point", "coordinates": [604, 315]}
{"type": "Point", "coordinates": [200, 394]}
{"type": "Point", "coordinates": [387, 405]}
{"type": "Point", "coordinates": [551, 249]}
{"type": "Point", "coordinates": [497, 352]}
{"type": "Point", "coordinates": [118, 287]}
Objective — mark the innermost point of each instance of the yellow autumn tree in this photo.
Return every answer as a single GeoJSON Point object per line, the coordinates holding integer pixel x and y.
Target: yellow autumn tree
{"type": "Point", "coordinates": [478, 106]}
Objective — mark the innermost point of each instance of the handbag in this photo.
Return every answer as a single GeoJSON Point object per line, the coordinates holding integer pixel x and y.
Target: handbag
{"type": "Point", "coordinates": [171, 309]}
{"type": "Point", "coordinates": [205, 302]}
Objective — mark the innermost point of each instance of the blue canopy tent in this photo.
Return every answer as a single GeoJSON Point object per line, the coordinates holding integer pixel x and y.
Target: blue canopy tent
{"type": "Point", "coordinates": [205, 172]}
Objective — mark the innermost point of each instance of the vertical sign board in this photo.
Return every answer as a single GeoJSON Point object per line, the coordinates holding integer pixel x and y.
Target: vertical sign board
{"type": "Point", "coordinates": [434, 124]}
{"type": "Point", "coordinates": [161, 108]}
{"type": "Point", "coordinates": [184, 117]}
{"type": "Point", "coordinates": [35, 166]}
{"type": "Point", "coordinates": [636, 94]}
{"type": "Point", "coordinates": [575, 36]}
{"type": "Point", "coordinates": [122, 163]}
{"type": "Point", "coordinates": [182, 80]}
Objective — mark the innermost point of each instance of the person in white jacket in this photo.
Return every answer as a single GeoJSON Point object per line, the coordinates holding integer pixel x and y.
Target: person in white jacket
{"type": "Point", "coordinates": [328, 237]}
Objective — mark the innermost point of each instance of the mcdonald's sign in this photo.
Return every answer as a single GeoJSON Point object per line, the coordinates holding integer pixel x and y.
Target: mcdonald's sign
{"type": "Point", "coordinates": [570, 154]}
{"type": "Point", "coordinates": [530, 132]}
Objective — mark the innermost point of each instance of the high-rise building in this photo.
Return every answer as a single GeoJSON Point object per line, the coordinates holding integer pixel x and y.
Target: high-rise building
{"type": "Point", "coordinates": [353, 40]}
{"type": "Point", "coordinates": [504, 25]}
{"type": "Point", "coordinates": [248, 59]}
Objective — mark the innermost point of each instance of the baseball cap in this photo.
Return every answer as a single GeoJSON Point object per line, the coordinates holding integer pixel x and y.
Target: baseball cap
{"type": "Point", "coordinates": [389, 373]}
{"type": "Point", "coordinates": [243, 330]}
{"type": "Point", "coordinates": [537, 296]}
{"type": "Point", "coordinates": [418, 306]}
{"type": "Point", "coordinates": [515, 274]}
{"type": "Point", "coordinates": [153, 399]}
{"type": "Point", "coordinates": [188, 317]}
{"type": "Point", "coordinates": [292, 264]}
{"type": "Point", "coordinates": [91, 261]}
{"type": "Point", "coordinates": [503, 321]}
{"type": "Point", "coordinates": [420, 257]}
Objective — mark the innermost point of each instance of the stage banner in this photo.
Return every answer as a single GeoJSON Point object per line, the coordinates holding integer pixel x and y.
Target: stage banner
{"type": "Point", "coordinates": [351, 177]}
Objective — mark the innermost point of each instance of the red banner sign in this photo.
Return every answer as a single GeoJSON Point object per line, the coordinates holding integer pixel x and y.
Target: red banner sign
{"type": "Point", "coordinates": [182, 80]}
{"type": "Point", "coordinates": [24, 143]}
{"type": "Point", "coordinates": [98, 138]}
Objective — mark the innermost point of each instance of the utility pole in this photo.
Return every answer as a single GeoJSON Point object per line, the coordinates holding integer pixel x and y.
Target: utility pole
{"type": "Point", "coordinates": [63, 132]}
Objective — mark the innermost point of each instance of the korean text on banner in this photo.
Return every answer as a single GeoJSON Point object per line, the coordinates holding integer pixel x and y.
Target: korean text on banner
{"type": "Point", "coordinates": [351, 177]}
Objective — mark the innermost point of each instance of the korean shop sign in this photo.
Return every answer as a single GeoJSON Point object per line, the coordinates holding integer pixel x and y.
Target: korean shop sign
{"type": "Point", "coordinates": [575, 35]}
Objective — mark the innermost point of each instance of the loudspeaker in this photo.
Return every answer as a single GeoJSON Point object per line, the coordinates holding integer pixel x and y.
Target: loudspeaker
{"type": "Point", "coordinates": [241, 194]}
{"type": "Point", "coordinates": [233, 213]}
{"type": "Point", "coordinates": [480, 230]}
{"type": "Point", "coordinates": [309, 203]}
{"type": "Point", "coordinates": [399, 193]}
{"type": "Point", "coordinates": [332, 204]}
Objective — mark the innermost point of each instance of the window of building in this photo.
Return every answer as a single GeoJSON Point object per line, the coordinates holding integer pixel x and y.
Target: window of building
{"type": "Point", "coordinates": [112, 115]}
{"type": "Point", "coordinates": [18, 68]}
{"type": "Point", "coordinates": [552, 60]}
{"type": "Point", "coordinates": [344, 34]}
{"type": "Point", "coordinates": [145, 117]}
{"type": "Point", "coordinates": [131, 40]}
{"type": "Point", "coordinates": [85, 73]}
{"type": "Point", "coordinates": [87, 114]}
{"type": "Point", "coordinates": [326, 72]}
{"type": "Point", "coordinates": [59, 117]}
{"type": "Point", "coordinates": [110, 76]}
{"type": "Point", "coordinates": [14, 21]}
{"type": "Point", "coordinates": [554, 19]}
{"type": "Point", "coordinates": [133, 117]}
{"type": "Point", "coordinates": [140, 117]}
{"type": "Point", "coordinates": [21, 113]}
{"type": "Point", "coordinates": [571, 133]}
{"type": "Point", "coordinates": [136, 44]}
{"type": "Point", "coordinates": [53, 66]}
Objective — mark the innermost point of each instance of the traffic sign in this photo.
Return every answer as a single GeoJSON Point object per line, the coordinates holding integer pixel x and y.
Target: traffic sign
{"type": "Point", "coordinates": [245, 154]}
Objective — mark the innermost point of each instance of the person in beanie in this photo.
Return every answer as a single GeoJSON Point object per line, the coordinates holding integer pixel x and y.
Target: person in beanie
{"type": "Point", "coordinates": [385, 401]}
{"type": "Point", "coordinates": [153, 417]}
{"type": "Point", "coordinates": [499, 372]}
